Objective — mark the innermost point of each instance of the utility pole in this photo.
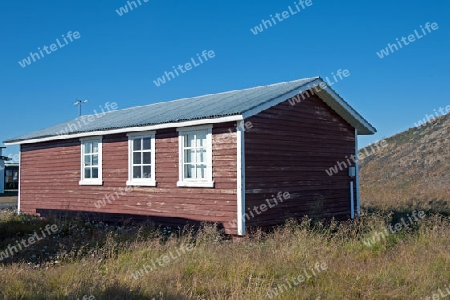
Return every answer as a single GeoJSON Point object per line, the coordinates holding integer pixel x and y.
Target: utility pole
{"type": "Point", "coordinates": [79, 102]}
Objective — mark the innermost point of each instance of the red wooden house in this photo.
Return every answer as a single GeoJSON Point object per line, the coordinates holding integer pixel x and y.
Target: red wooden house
{"type": "Point", "coordinates": [251, 157]}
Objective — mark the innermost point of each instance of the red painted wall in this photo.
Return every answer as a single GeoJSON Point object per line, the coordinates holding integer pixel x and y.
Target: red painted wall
{"type": "Point", "coordinates": [288, 150]}
{"type": "Point", "coordinates": [51, 172]}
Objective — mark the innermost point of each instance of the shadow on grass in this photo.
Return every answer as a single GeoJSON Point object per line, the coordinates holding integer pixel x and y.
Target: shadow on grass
{"type": "Point", "coordinates": [119, 293]}
{"type": "Point", "coordinates": [124, 293]}
{"type": "Point", "coordinates": [116, 292]}
{"type": "Point", "coordinates": [78, 236]}
{"type": "Point", "coordinates": [430, 207]}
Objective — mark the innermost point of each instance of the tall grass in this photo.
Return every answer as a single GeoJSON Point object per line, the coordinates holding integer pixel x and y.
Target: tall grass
{"type": "Point", "coordinates": [96, 260]}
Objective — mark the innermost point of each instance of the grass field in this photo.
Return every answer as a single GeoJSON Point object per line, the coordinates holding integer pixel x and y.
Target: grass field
{"type": "Point", "coordinates": [87, 259]}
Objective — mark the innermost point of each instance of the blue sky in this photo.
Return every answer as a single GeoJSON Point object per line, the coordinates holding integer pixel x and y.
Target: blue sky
{"type": "Point", "coordinates": [117, 58]}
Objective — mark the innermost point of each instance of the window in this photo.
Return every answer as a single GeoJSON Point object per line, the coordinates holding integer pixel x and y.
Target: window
{"type": "Point", "coordinates": [91, 161]}
{"type": "Point", "coordinates": [195, 152]}
{"type": "Point", "coordinates": [141, 159]}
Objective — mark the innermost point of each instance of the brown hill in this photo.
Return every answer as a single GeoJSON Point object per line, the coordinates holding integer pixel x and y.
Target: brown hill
{"type": "Point", "coordinates": [413, 170]}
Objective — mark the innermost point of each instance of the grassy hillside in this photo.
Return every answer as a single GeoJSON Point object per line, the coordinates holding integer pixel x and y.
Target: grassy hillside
{"type": "Point", "coordinates": [413, 170]}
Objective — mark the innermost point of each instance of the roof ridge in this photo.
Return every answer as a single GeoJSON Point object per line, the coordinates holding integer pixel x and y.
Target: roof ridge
{"type": "Point", "coordinates": [210, 94]}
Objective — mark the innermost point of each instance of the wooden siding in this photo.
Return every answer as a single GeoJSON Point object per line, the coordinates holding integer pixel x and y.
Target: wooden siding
{"type": "Point", "coordinates": [288, 149]}
{"type": "Point", "coordinates": [51, 173]}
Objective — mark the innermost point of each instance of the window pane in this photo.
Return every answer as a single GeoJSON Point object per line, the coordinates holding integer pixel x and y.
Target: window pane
{"type": "Point", "coordinates": [201, 171]}
{"type": "Point", "coordinates": [137, 172]}
{"type": "Point", "coordinates": [189, 156]}
{"type": "Point", "coordinates": [87, 160]}
{"type": "Point", "coordinates": [146, 143]}
{"type": "Point", "coordinates": [88, 147]}
{"type": "Point", "coordinates": [95, 160]}
{"type": "Point", "coordinates": [146, 158]}
{"type": "Point", "coordinates": [136, 144]}
{"type": "Point", "coordinates": [201, 156]}
{"type": "Point", "coordinates": [201, 140]}
{"type": "Point", "coordinates": [95, 147]}
{"type": "Point", "coordinates": [94, 172]}
{"type": "Point", "coordinates": [188, 171]}
{"type": "Point", "coordinates": [147, 173]}
{"type": "Point", "coordinates": [189, 140]}
{"type": "Point", "coordinates": [137, 157]}
{"type": "Point", "coordinates": [87, 173]}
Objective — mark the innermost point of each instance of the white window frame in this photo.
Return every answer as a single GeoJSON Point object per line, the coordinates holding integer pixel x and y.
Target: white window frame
{"type": "Point", "coordinates": [92, 181]}
{"type": "Point", "coordinates": [188, 182]}
{"type": "Point", "coordinates": [141, 181]}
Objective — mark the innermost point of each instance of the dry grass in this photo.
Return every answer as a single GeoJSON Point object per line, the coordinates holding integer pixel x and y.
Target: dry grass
{"type": "Point", "coordinates": [100, 261]}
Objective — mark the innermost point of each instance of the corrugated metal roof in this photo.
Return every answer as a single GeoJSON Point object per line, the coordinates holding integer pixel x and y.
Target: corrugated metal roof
{"type": "Point", "coordinates": [203, 107]}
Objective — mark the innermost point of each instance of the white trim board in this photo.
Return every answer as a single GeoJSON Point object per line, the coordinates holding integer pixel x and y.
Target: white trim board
{"type": "Point", "coordinates": [130, 129]}
{"type": "Point", "coordinates": [330, 97]}
{"type": "Point", "coordinates": [357, 196]}
{"type": "Point", "coordinates": [20, 178]}
{"type": "Point", "coordinates": [240, 189]}
{"type": "Point", "coordinates": [352, 201]}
